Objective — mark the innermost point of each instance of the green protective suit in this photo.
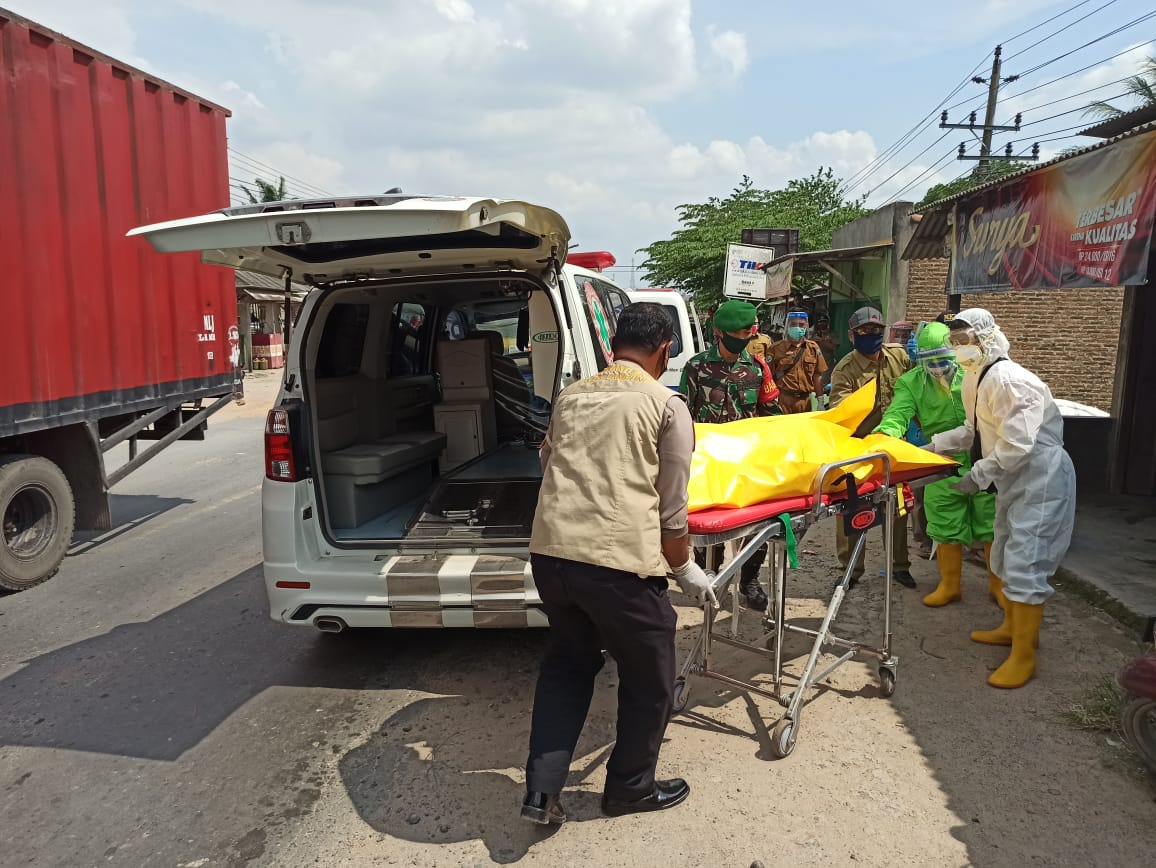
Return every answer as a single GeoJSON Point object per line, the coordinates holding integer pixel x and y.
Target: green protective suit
{"type": "Point", "coordinates": [952, 517]}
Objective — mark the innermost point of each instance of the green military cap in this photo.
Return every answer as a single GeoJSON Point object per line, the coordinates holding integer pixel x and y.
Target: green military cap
{"type": "Point", "coordinates": [734, 316]}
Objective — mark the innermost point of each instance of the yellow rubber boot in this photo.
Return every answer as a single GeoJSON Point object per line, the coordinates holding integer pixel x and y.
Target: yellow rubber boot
{"type": "Point", "coordinates": [994, 582]}
{"type": "Point", "coordinates": [1020, 665]}
{"type": "Point", "coordinates": [1001, 635]}
{"type": "Point", "coordinates": [950, 557]}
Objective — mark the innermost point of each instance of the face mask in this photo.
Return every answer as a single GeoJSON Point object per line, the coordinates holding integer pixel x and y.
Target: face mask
{"type": "Point", "coordinates": [733, 344]}
{"type": "Point", "coordinates": [868, 345]}
{"type": "Point", "coordinates": [970, 356]}
{"type": "Point", "coordinates": [796, 333]}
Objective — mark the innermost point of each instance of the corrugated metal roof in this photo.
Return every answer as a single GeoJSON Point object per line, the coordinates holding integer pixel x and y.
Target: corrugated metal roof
{"type": "Point", "coordinates": [256, 280]}
{"type": "Point", "coordinates": [838, 254]}
{"type": "Point", "coordinates": [1115, 126]}
{"type": "Point", "coordinates": [1137, 131]}
{"type": "Point", "coordinates": [927, 242]}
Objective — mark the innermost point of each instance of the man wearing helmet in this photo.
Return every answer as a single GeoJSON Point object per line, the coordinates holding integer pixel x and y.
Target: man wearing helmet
{"type": "Point", "coordinates": [931, 394]}
{"type": "Point", "coordinates": [1015, 435]}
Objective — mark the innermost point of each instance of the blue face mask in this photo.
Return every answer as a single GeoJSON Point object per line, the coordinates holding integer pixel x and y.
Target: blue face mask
{"type": "Point", "coordinates": [796, 333]}
{"type": "Point", "coordinates": [868, 345]}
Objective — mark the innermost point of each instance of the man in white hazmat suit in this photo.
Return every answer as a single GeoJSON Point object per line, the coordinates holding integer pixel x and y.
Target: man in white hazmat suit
{"type": "Point", "coordinates": [1016, 436]}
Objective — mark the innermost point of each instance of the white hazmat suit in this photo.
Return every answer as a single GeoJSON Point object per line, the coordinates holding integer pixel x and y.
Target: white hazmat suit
{"type": "Point", "coordinates": [1022, 437]}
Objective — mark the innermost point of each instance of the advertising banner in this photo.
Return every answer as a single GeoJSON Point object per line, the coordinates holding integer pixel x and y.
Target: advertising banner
{"type": "Point", "coordinates": [744, 276]}
{"type": "Point", "coordinates": [1084, 222]}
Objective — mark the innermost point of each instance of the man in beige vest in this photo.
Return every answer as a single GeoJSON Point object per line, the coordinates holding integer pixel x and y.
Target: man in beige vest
{"type": "Point", "coordinates": [611, 524]}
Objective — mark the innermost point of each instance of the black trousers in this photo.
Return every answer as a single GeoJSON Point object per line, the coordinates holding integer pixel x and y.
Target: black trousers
{"type": "Point", "coordinates": [591, 608]}
{"type": "Point", "coordinates": [748, 572]}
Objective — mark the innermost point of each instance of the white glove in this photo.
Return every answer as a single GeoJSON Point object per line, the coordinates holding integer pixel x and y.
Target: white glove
{"type": "Point", "coordinates": [967, 485]}
{"type": "Point", "coordinates": [694, 582]}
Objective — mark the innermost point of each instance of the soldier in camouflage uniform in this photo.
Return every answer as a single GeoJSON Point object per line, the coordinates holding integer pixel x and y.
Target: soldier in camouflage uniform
{"type": "Point", "coordinates": [724, 384]}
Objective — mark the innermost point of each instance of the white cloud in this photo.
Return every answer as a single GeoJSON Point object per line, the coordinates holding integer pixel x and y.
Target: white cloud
{"type": "Point", "coordinates": [730, 51]}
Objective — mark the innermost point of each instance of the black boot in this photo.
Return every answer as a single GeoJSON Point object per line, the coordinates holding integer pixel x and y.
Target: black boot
{"type": "Point", "coordinates": [753, 591]}
{"type": "Point", "coordinates": [543, 809]}
{"type": "Point", "coordinates": [666, 794]}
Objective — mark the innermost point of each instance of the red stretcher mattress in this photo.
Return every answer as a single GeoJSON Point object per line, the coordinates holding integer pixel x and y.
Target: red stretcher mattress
{"type": "Point", "coordinates": [720, 519]}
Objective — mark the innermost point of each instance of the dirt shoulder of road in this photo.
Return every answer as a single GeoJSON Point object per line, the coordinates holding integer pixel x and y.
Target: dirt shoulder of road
{"type": "Point", "coordinates": [947, 772]}
{"type": "Point", "coordinates": [261, 388]}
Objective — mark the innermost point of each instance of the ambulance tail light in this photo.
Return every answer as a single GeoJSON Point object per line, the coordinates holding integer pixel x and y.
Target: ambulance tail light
{"type": "Point", "coordinates": [280, 461]}
{"type": "Point", "coordinates": [595, 260]}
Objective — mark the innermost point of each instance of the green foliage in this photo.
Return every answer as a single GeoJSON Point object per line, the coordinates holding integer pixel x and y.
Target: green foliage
{"type": "Point", "coordinates": [694, 257]}
{"type": "Point", "coordinates": [1141, 87]}
{"type": "Point", "coordinates": [979, 176]}
{"type": "Point", "coordinates": [267, 192]}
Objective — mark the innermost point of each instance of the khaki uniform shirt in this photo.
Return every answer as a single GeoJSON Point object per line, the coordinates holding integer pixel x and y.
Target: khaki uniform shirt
{"type": "Point", "coordinates": [855, 370]}
{"type": "Point", "coordinates": [802, 376]}
{"type": "Point", "coordinates": [760, 345]}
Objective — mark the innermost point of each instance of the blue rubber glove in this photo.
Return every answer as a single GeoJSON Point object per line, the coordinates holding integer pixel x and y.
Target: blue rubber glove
{"type": "Point", "coordinates": [912, 348]}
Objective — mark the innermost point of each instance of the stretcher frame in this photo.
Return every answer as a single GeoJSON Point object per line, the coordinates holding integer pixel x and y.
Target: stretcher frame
{"type": "Point", "coordinates": [771, 531]}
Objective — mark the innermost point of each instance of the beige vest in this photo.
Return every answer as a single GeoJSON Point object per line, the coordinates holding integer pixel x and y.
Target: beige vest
{"type": "Point", "coordinates": [598, 503]}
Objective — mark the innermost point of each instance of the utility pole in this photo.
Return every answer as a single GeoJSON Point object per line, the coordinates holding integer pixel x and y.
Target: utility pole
{"type": "Point", "coordinates": [989, 125]}
{"type": "Point", "coordinates": [989, 117]}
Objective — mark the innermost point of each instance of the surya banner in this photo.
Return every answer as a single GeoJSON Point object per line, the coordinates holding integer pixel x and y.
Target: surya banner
{"type": "Point", "coordinates": [1083, 222]}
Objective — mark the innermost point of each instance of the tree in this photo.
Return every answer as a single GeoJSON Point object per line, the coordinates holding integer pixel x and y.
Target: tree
{"type": "Point", "coordinates": [1141, 87]}
{"type": "Point", "coordinates": [267, 192]}
{"type": "Point", "coordinates": [693, 259]}
{"type": "Point", "coordinates": [977, 177]}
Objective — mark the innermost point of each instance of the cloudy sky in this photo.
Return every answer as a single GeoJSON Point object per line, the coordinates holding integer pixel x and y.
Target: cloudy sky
{"type": "Point", "coordinates": [613, 111]}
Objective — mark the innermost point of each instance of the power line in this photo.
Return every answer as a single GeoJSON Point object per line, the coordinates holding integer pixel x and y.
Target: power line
{"type": "Point", "coordinates": [892, 150]}
{"type": "Point", "coordinates": [934, 167]}
{"type": "Point", "coordinates": [1062, 29]}
{"type": "Point", "coordinates": [1046, 21]}
{"type": "Point", "coordinates": [252, 162]}
{"type": "Point", "coordinates": [909, 162]}
{"type": "Point", "coordinates": [1081, 69]}
{"type": "Point", "coordinates": [1107, 35]}
{"type": "Point", "coordinates": [1071, 111]}
{"type": "Point", "coordinates": [1074, 95]}
{"type": "Point", "coordinates": [256, 165]}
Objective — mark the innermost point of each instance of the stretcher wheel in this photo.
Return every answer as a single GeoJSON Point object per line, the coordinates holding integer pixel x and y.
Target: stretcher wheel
{"type": "Point", "coordinates": [681, 695]}
{"type": "Point", "coordinates": [783, 738]}
{"type": "Point", "coordinates": [886, 682]}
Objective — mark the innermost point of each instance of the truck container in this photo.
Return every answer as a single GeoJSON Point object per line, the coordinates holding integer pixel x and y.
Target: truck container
{"type": "Point", "coordinates": [105, 340]}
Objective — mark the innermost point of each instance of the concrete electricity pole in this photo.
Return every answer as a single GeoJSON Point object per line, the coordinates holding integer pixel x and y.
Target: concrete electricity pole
{"type": "Point", "coordinates": [989, 125]}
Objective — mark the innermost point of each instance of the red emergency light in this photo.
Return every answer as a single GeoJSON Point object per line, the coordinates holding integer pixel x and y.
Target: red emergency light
{"type": "Point", "coordinates": [595, 260]}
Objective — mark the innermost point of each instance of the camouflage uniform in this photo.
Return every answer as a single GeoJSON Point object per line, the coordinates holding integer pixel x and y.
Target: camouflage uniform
{"type": "Point", "coordinates": [721, 391]}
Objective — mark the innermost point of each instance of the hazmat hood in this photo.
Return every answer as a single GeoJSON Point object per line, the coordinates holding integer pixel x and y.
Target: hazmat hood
{"type": "Point", "coordinates": [323, 241]}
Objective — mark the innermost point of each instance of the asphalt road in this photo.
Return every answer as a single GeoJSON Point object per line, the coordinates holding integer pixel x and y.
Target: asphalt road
{"type": "Point", "coordinates": [152, 715]}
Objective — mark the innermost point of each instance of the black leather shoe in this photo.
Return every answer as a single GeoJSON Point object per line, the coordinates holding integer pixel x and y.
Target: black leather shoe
{"type": "Point", "coordinates": [666, 794]}
{"type": "Point", "coordinates": [543, 809]}
{"type": "Point", "coordinates": [756, 596]}
{"type": "Point", "coordinates": [904, 578]}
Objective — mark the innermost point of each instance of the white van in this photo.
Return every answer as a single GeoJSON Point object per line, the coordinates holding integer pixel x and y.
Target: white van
{"type": "Point", "coordinates": [402, 455]}
{"type": "Point", "coordinates": [688, 340]}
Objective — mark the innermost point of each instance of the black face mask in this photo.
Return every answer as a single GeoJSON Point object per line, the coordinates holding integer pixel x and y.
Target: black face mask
{"type": "Point", "coordinates": [733, 344]}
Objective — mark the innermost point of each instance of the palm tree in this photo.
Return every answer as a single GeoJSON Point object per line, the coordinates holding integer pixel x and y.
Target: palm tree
{"type": "Point", "coordinates": [267, 192]}
{"type": "Point", "coordinates": [1142, 87]}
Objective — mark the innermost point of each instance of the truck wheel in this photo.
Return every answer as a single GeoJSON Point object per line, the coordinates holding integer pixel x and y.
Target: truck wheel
{"type": "Point", "coordinates": [38, 516]}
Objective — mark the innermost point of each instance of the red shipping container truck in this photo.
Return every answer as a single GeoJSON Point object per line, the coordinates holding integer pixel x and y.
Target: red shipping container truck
{"type": "Point", "coordinates": [104, 340]}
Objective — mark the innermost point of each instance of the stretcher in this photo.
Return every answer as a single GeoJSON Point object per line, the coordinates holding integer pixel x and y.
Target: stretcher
{"type": "Point", "coordinates": [778, 524]}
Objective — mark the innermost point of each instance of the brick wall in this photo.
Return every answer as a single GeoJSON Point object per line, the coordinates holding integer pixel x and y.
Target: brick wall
{"type": "Point", "coordinates": [1068, 337]}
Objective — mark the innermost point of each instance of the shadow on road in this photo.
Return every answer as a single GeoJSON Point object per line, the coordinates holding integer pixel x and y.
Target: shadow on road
{"type": "Point", "coordinates": [156, 688]}
{"type": "Point", "coordinates": [448, 767]}
{"type": "Point", "coordinates": [129, 511]}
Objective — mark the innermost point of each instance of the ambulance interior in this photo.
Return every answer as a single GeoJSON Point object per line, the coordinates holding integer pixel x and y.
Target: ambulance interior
{"type": "Point", "coordinates": [429, 407]}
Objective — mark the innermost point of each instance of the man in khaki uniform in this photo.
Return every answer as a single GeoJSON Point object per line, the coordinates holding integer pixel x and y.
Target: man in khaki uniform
{"type": "Point", "coordinates": [797, 364]}
{"type": "Point", "coordinates": [611, 523]}
{"type": "Point", "coordinates": [885, 363]}
{"type": "Point", "coordinates": [760, 344]}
